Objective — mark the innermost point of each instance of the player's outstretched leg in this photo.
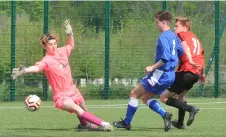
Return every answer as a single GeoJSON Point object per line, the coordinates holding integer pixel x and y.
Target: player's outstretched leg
{"type": "Point", "coordinates": [180, 122]}
{"type": "Point", "coordinates": [131, 110]}
{"type": "Point", "coordinates": [156, 107]}
{"type": "Point", "coordinates": [69, 105]}
{"type": "Point", "coordinates": [181, 115]}
{"type": "Point", "coordinates": [88, 127]}
{"type": "Point", "coordinates": [85, 125]}
{"type": "Point", "coordinates": [102, 125]}
{"type": "Point", "coordinates": [176, 124]}
{"type": "Point", "coordinates": [167, 121]}
{"type": "Point", "coordinates": [192, 114]}
{"type": "Point", "coordinates": [121, 124]}
{"type": "Point", "coordinates": [181, 105]}
{"type": "Point", "coordinates": [137, 92]}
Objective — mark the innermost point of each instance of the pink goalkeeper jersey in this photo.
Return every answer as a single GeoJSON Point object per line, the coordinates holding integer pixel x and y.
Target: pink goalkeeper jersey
{"type": "Point", "coordinates": [58, 72]}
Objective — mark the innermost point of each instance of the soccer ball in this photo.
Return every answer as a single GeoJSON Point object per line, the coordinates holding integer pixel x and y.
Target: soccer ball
{"type": "Point", "coordinates": [32, 102]}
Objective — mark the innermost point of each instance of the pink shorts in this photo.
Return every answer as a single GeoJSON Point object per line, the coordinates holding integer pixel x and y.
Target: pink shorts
{"type": "Point", "coordinates": [59, 102]}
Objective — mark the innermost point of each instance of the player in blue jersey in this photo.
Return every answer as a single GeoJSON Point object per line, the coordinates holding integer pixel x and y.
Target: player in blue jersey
{"type": "Point", "coordinates": [159, 76]}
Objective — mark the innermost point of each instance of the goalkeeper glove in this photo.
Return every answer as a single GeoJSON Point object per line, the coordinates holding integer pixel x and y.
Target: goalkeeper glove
{"type": "Point", "coordinates": [68, 28]}
{"type": "Point", "coordinates": [18, 71]}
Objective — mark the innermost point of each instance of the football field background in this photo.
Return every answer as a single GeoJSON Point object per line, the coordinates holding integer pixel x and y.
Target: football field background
{"type": "Point", "coordinates": [16, 121]}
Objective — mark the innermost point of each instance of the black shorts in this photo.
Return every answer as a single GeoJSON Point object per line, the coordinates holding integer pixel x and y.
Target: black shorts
{"type": "Point", "coordinates": [183, 81]}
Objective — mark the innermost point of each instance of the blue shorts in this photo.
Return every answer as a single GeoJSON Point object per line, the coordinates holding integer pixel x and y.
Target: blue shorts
{"type": "Point", "coordinates": [158, 81]}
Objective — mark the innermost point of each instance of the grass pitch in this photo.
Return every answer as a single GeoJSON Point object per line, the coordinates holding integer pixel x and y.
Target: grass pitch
{"type": "Point", "coordinates": [16, 121]}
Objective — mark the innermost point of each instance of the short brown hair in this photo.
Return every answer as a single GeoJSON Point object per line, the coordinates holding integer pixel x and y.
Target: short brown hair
{"type": "Point", "coordinates": [185, 21]}
{"type": "Point", "coordinates": [163, 15]}
{"type": "Point", "coordinates": [45, 38]}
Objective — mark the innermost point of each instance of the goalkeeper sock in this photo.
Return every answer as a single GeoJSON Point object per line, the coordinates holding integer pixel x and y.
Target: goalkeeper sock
{"type": "Point", "coordinates": [82, 121]}
{"type": "Point", "coordinates": [91, 118]}
{"type": "Point", "coordinates": [155, 106]}
{"type": "Point", "coordinates": [131, 110]}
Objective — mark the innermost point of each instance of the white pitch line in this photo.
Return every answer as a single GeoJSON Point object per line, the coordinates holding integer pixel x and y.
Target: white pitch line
{"type": "Point", "coordinates": [210, 103]}
{"type": "Point", "coordinates": [145, 105]}
{"type": "Point", "coordinates": [118, 106]}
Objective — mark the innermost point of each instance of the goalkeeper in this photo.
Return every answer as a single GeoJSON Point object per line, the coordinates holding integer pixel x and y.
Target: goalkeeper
{"type": "Point", "coordinates": [66, 96]}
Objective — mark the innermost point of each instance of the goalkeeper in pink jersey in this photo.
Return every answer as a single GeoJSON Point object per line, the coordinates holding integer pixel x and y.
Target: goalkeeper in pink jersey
{"type": "Point", "coordinates": [66, 96]}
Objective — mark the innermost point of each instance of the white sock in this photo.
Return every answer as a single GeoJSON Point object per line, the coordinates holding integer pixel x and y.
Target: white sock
{"type": "Point", "coordinates": [133, 102]}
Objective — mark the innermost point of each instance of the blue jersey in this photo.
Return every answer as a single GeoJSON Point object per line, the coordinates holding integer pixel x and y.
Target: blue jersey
{"type": "Point", "coordinates": [168, 49]}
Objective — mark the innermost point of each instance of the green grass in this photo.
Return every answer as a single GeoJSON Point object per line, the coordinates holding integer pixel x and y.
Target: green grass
{"type": "Point", "coordinates": [16, 121]}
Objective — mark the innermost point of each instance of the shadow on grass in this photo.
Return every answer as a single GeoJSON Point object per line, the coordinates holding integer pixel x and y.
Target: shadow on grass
{"type": "Point", "coordinates": [140, 129]}
{"type": "Point", "coordinates": [33, 129]}
{"type": "Point", "coordinates": [135, 129]}
{"type": "Point", "coordinates": [56, 129]}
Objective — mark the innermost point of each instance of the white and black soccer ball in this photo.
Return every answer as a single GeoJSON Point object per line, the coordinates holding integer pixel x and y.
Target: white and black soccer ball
{"type": "Point", "coordinates": [32, 102]}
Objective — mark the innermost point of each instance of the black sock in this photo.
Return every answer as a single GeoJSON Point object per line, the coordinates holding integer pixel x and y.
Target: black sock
{"type": "Point", "coordinates": [178, 104]}
{"type": "Point", "coordinates": [181, 115]}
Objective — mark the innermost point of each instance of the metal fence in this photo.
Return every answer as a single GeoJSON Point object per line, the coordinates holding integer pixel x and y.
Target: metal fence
{"type": "Point", "coordinates": [114, 42]}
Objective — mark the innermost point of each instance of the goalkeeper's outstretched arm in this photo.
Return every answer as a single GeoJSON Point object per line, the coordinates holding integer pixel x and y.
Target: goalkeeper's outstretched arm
{"type": "Point", "coordinates": [32, 69]}
{"type": "Point", "coordinates": [70, 40]}
{"type": "Point", "coordinates": [23, 70]}
{"type": "Point", "coordinates": [68, 31]}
